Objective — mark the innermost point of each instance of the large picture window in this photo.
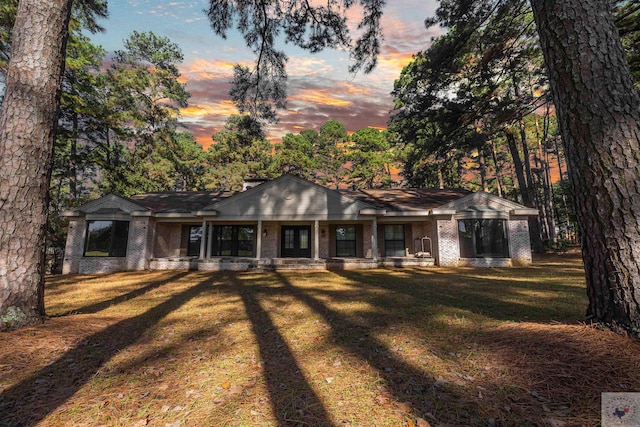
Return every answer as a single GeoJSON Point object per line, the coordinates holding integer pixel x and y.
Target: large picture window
{"type": "Point", "coordinates": [394, 240]}
{"type": "Point", "coordinates": [107, 238]}
{"type": "Point", "coordinates": [232, 240]}
{"type": "Point", "coordinates": [345, 241]}
{"type": "Point", "coordinates": [483, 238]}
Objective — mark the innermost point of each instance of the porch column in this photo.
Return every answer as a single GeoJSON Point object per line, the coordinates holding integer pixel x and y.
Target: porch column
{"type": "Point", "coordinates": [209, 241]}
{"type": "Point", "coordinates": [374, 238]}
{"type": "Point", "coordinates": [203, 239]}
{"type": "Point", "coordinates": [259, 240]}
{"type": "Point", "coordinates": [316, 240]}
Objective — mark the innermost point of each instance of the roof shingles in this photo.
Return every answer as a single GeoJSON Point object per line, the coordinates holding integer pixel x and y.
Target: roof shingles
{"type": "Point", "coordinates": [395, 200]}
{"type": "Point", "coordinates": [180, 201]}
{"type": "Point", "coordinates": [406, 199]}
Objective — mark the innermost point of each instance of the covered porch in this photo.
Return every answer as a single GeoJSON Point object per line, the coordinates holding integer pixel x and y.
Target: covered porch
{"type": "Point", "coordinates": [217, 244]}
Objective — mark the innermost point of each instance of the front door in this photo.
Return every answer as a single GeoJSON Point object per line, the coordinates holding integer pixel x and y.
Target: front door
{"type": "Point", "coordinates": [296, 241]}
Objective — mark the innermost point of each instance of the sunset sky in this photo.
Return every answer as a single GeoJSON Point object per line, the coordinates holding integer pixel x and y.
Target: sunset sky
{"type": "Point", "coordinates": [320, 88]}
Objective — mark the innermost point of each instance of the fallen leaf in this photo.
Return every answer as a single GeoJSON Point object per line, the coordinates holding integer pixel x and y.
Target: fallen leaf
{"type": "Point", "coordinates": [329, 380]}
{"type": "Point", "coordinates": [410, 423]}
{"type": "Point", "coordinates": [382, 399]}
{"type": "Point", "coordinates": [226, 385]}
{"type": "Point", "coordinates": [403, 407]}
{"type": "Point", "coordinates": [423, 423]}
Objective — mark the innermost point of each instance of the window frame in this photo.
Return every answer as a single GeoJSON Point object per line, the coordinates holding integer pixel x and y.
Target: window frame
{"type": "Point", "coordinates": [193, 246]}
{"type": "Point", "coordinates": [352, 243]}
{"type": "Point", "coordinates": [394, 242]}
{"type": "Point", "coordinates": [225, 241]}
{"type": "Point", "coordinates": [476, 245]}
{"type": "Point", "coordinates": [118, 234]}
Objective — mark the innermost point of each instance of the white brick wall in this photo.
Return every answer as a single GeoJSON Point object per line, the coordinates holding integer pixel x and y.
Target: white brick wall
{"type": "Point", "coordinates": [173, 264]}
{"type": "Point", "coordinates": [519, 241]}
{"type": "Point", "coordinates": [448, 253]}
{"type": "Point", "coordinates": [93, 265]}
{"type": "Point", "coordinates": [74, 247]}
{"type": "Point", "coordinates": [138, 248]}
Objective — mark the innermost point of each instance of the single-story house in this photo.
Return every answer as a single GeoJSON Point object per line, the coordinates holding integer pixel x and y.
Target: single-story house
{"type": "Point", "coordinates": [292, 223]}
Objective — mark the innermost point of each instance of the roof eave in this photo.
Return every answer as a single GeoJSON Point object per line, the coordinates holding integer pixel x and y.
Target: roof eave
{"type": "Point", "coordinates": [524, 212]}
{"type": "Point", "coordinates": [442, 212]}
{"type": "Point", "coordinates": [206, 213]}
{"type": "Point", "coordinates": [372, 212]}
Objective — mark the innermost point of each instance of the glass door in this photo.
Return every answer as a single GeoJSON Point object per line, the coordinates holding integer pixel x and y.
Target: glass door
{"type": "Point", "coordinates": [296, 241]}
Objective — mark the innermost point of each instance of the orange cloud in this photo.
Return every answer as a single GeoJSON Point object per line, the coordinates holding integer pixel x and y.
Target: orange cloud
{"type": "Point", "coordinates": [200, 69]}
{"type": "Point", "coordinates": [319, 96]}
{"type": "Point", "coordinates": [195, 111]}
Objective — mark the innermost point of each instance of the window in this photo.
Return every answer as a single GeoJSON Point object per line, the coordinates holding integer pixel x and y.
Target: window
{"type": "Point", "coordinates": [345, 240]}
{"type": "Point", "coordinates": [195, 237]}
{"type": "Point", "coordinates": [232, 240]}
{"type": "Point", "coordinates": [107, 238]}
{"type": "Point", "coordinates": [394, 240]}
{"type": "Point", "coordinates": [483, 238]}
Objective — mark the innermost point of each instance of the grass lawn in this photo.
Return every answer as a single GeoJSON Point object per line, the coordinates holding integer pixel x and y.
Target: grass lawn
{"type": "Point", "coordinates": [438, 346]}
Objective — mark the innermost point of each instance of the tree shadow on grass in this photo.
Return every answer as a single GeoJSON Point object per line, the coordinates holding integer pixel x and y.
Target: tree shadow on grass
{"type": "Point", "coordinates": [404, 382]}
{"type": "Point", "coordinates": [102, 305]}
{"type": "Point", "coordinates": [293, 400]}
{"type": "Point", "coordinates": [496, 298]}
{"type": "Point", "coordinates": [30, 401]}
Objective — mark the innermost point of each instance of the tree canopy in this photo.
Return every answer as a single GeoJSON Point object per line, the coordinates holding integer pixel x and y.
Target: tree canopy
{"type": "Point", "coordinates": [261, 90]}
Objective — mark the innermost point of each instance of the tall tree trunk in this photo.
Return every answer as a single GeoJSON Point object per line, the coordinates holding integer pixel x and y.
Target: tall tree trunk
{"type": "Point", "coordinates": [527, 200]}
{"type": "Point", "coordinates": [73, 157]}
{"type": "Point", "coordinates": [599, 115]}
{"type": "Point", "coordinates": [497, 167]}
{"type": "Point", "coordinates": [27, 123]}
{"type": "Point", "coordinates": [483, 168]}
{"type": "Point", "coordinates": [546, 175]}
{"type": "Point", "coordinates": [565, 205]}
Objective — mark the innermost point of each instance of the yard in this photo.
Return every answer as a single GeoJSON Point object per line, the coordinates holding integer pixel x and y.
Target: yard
{"type": "Point", "coordinates": [437, 346]}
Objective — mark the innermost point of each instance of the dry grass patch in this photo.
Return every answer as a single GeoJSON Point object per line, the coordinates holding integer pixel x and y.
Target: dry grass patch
{"type": "Point", "coordinates": [385, 347]}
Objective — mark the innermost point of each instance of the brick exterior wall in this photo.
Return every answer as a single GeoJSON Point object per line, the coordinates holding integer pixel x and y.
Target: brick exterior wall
{"type": "Point", "coordinates": [519, 241]}
{"type": "Point", "coordinates": [420, 230]}
{"type": "Point", "coordinates": [74, 247]}
{"type": "Point", "coordinates": [448, 253]}
{"type": "Point", "coordinates": [173, 264]}
{"type": "Point", "coordinates": [168, 240]}
{"type": "Point", "coordinates": [95, 265]}
{"type": "Point", "coordinates": [519, 246]}
{"type": "Point", "coordinates": [138, 248]}
{"type": "Point", "coordinates": [323, 241]}
{"type": "Point", "coordinates": [366, 240]}
{"type": "Point", "coordinates": [485, 262]}
{"type": "Point", "coordinates": [270, 243]}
